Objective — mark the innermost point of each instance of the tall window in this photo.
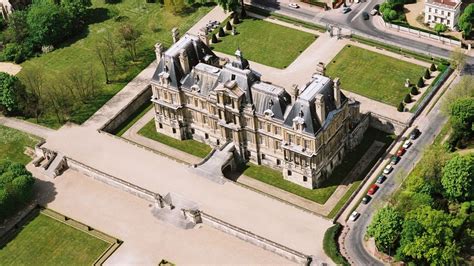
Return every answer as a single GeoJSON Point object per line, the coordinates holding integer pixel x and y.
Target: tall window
{"type": "Point", "coordinates": [290, 138]}
{"type": "Point", "coordinates": [269, 127]}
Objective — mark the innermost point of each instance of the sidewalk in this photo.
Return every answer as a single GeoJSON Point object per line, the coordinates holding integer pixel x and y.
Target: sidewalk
{"type": "Point", "coordinates": [25, 126]}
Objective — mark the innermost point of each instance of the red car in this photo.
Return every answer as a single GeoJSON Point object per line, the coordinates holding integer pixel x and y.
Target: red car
{"type": "Point", "coordinates": [401, 151]}
{"type": "Point", "coordinates": [373, 189]}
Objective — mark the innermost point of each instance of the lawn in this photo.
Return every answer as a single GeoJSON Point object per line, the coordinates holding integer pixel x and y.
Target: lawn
{"type": "Point", "coordinates": [46, 241]}
{"type": "Point", "coordinates": [190, 146]}
{"type": "Point", "coordinates": [132, 119]}
{"type": "Point", "coordinates": [150, 18]}
{"type": "Point", "coordinates": [320, 195]}
{"type": "Point", "coordinates": [373, 75]}
{"type": "Point", "coordinates": [266, 43]}
{"type": "Point", "coordinates": [13, 144]}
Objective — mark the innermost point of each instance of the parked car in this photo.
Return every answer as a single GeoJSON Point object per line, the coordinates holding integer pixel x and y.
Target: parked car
{"type": "Point", "coordinates": [346, 10]}
{"type": "Point", "coordinates": [354, 216]}
{"type": "Point", "coordinates": [394, 160]}
{"type": "Point", "coordinates": [365, 15]}
{"type": "Point", "coordinates": [374, 12]}
{"type": "Point", "coordinates": [407, 144]}
{"type": "Point", "coordinates": [366, 199]}
{"type": "Point", "coordinates": [373, 188]}
{"type": "Point", "coordinates": [388, 169]}
{"type": "Point", "coordinates": [415, 133]}
{"type": "Point", "coordinates": [293, 5]}
{"type": "Point", "coordinates": [401, 151]}
{"type": "Point", "coordinates": [380, 179]}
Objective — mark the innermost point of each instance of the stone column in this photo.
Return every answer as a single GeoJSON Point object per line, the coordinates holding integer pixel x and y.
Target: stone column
{"type": "Point", "coordinates": [158, 51]}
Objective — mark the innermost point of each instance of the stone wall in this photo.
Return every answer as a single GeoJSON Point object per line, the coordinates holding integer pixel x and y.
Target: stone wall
{"type": "Point", "coordinates": [386, 124]}
{"type": "Point", "coordinates": [138, 101]}
{"type": "Point", "coordinates": [254, 239]}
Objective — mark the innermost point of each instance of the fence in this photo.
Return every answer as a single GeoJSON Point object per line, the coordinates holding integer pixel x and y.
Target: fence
{"type": "Point", "coordinates": [423, 34]}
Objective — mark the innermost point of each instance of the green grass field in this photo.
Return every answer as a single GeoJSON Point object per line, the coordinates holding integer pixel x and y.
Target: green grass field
{"type": "Point", "coordinates": [322, 194]}
{"type": "Point", "coordinates": [190, 146]}
{"type": "Point", "coordinates": [266, 43]}
{"type": "Point", "coordinates": [13, 144]}
{"type": "Point", "coordinates": [150, 18]}
{"type": "Point", "coordinates": [46, 241]}
{"type": "Point", "coordinates": [373, 75]}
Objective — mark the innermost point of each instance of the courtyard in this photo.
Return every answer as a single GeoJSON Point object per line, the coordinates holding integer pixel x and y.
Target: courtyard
{"type": "Point", "coordinates": [266, 43]}
{"type": "Point", "coordinates": [46, 241]}
{"type": "Point", "coordinates": [373, 75]}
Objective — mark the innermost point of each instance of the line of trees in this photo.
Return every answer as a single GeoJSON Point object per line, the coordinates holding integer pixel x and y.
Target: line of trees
{"type": "Point", "coordinates": [16, 188]}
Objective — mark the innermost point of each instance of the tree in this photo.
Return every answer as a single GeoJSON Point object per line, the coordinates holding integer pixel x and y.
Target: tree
{"type": "Point", "coordinates": [440, 28]}
{"type": "Point", "coordinates": [385, 228]}
{"type": "Point", "coordinates": [175, 6]}
{"type": "Point", "coordinates": [214, 38]}
{"type": "Point", "coordinates": [76, 9]}
{"type": "Point", "coordinates": [17, 31]}
{"type": "Point", "coordinates": [466, 20]}
{"type": "Point", "coordinates": [464, 88]}
{"type": "Point", "coordinates": [407, 98]}
{"type": "Point", "coordinates": [458, 178]}
{"type": "Point", "coordinates": [420, 83]}
{"type": "Point", "coordinates": [33, 79]}
{"type": "Point", "coordinates": [427, 74]}
{"type": "Point", "coordinates": [129, 37]}
{"type": "Point", "coordinates": [228, 26]}
{"type": "Point", "coordinates": [12, 94]}
{"type": "Point", "coordinates": [229, 5]}
{"type": "Point", "coordinates": [221, 32]}
{"type": "Point", "coordinates": [401, 107]}
{"type": "Point", "coordinates": [81, 83]}
{"type": "Point", "coordinates": [458, 59]}
{"type": "Point", "coordinates": [112, 48]}
{"type": "Point", "coordinates": [433, 67]}
{"type": "Point", "coordinates": [235, 19]}
{"type": "Point", "coordinates": [461, 113]}
{"type": "Point", "coordinates": [105, 58]}
{"type": "Point", "coordinates": [414, 90]}
{"type": "Point", "coordinates": [48, 24]}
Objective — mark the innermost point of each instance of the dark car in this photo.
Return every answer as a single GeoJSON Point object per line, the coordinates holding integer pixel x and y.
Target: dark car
{"type": "Point", "coordinates": [415, 133]}
{"type": "Point", "coordinates": [394, 160]}
{"type": "Point", "coordinates": [380, 179]}
{"type": "Point", "coordinates": [366, 199]}
{"type": "Point", "coordinates": [365, 15]}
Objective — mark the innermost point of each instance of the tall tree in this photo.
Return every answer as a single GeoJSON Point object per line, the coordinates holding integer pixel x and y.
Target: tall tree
{"type": "Point", "coordinates": [105, 58]}
{"type": "Point", "coordinates": [12, 94]}
{"type": "Point", "coordinates": [458, 178]}
{"type": "Point", "coordinates": [229, 5]}
{"type": "Point", "coordinates": [458, 59]}
{"type": "Point", "coordinates": [129, 37]}
{"type": "Point", "coordinates": [47, 23]}
{"type": "Point", "coordinates": [385, 228]}
{"type": "Point", "coordinates": [112, 48]}
{"type": "Point", "coordinates": [466, 20]}
{"type": "Point", "coordinates": [33, 78]}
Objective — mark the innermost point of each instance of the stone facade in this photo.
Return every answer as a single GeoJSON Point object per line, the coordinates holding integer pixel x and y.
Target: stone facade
{"type": "Point", "coordinates": [442, 11]}
{"type": "Point", "coordinates": [304, 132]}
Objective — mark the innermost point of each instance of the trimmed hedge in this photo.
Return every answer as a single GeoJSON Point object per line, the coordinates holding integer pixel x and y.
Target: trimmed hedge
{"type": "Point", "coordinates": [331, 247]}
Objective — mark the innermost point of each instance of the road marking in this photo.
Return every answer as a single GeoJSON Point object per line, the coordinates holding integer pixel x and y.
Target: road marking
{"type": "Point", "coordinates": [358, 14]}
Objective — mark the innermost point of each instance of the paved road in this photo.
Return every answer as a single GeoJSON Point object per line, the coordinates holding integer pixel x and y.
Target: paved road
{"type": "Point", "coordinates": [356, 24]}
{"type": "Point", "coordinates": [27, 127]}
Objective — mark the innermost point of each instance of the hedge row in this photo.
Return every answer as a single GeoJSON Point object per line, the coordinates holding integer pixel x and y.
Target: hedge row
{"type": "Point", "coordinates": [331, 247]}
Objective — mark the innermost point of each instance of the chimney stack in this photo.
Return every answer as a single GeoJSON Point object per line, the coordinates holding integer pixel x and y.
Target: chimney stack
{"type": "Point", "coordinates": [175, 34]}
{"type": "Point", "coordinates": [295, 92]}
{"type": "Point", "coordinates": [320, 106]}
{"type": "Point", "coordinates": [158, 51]}
{"type": "Point", "coordinates": [184, 61]}
{"type": "Point", "coordinates": [337, 93]}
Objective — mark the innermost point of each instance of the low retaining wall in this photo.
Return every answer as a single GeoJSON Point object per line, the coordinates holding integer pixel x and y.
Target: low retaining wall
{"type": "Point", "coordinates": [111, 180]}
{"type": "Point", "coordinates": [255, 239]}
{"type": "Point", "coordinates": [138, 101]}
{"type": "Point", "coordinates": [386, 124]}
{"type": "Point", "coordinates": [423, 34]}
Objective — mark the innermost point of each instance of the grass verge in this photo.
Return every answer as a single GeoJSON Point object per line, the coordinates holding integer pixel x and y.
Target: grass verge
{"type": "Point", "coordinates": [132, 119]}
{"type": "Point", "coordinates": [13, 144]}
{"type": "Point", "coordinates": [265, 42]}
{"type": "Point", "coordinates": [190, 146]}
{"type": "Point", "coordinates": [46, 241]}
{"type": "Point", "coordinates": [322, 194]}
{"type": "Point", "coordinates": [331, 247]}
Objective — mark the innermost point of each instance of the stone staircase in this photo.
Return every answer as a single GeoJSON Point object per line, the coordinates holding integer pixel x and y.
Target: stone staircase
{"type": "Point", "coordinates": [213, 166]}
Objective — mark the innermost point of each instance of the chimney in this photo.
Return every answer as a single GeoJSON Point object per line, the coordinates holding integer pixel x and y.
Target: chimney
{"type": "Point", "coordinates": [295, 92]}
{"type": "Point", "coordinates": [175, 34]}
{"type": "Point", "coordinates": [337, 93]}
{"type": "Point", "coordinates": [158, 51]}
{"type": "Point", "coordinates": [183, 61]}
{"type": "Point", "coordinates": [320, 106]}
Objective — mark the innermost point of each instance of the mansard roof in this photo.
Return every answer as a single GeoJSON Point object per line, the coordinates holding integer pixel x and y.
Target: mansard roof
{"type": "Point", "coordinates": [270, 99]}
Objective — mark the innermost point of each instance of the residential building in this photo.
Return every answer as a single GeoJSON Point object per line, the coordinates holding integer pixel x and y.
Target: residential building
{"type": "Point", "coordinates": [304, 132]}
{"type": "Point", "coordinates": [442, 11]}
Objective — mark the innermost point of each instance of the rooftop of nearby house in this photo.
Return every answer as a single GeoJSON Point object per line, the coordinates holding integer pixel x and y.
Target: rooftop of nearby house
{"type": "Point", "coordinates": [445, 3]}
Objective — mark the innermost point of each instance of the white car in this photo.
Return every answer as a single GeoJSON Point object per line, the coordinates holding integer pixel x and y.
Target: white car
{"type": "Point", "coordinates": [388, 169]}
{"type": "Point", "coordinates": [354, 216]}
{"type": "Point", "coordinates": [407, 144]}
{"type": "Point", "coordinates": [374, 12]}
{"type": "Point", "coordinates": [293, 5]}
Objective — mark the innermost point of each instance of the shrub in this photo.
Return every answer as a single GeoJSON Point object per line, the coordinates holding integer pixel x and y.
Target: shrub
{"type": "Point", "coordinates": [221, 32]}
{"type": "Point", "coordinates": [407, 98]}
{"type": "Point", "coordinates": [420, 83]}
{"type": "Point", "coordinates": [401, 107]}
{"type": "Point", "coordinates": [235, 19]}
{"type": "Point", "coordinates": [330, 245]}
{"type": "Point", "coordinates": [228, 26]}
{"type": "Point", "coordinates": [433, 67]}
{"type": "Point", "coordinates": [427, 74]}
{"type": "Point", "coordinates": [414, 90]}
{"type": "Point", "coordinates": [213, 38]}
